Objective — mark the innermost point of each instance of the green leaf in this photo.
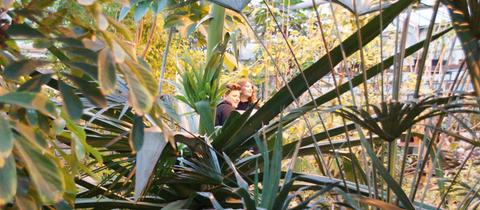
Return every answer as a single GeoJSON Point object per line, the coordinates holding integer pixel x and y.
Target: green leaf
{"type": "Point", "coordinates": [23, 31]}
{"type": "Point", "coordinates": [141, 10]}
{"type": "Point", "coordinates": [248, 203]}
{"type": "Point", "coordinates": [123, 13]}
{"type": "Point", "coordinates": [271, 184]}
{"type": "Point", "coordinates": [79, 53]}
{"type": "Point", "coordinates": [71, 102]}
{"type": "Point", "coordinates": [136, 136]}
{"type": "Point", "coordinates": [37, 101]}
{"type": "Point", "coordinates": [71, 42]}
{"type": "Point", "coordinates": [44, 171]}
{"type": "Point", "coordinates": [232, 126]}
{"type": "Point", "coordinates": [396, 188]}
{"type": "Point", "coordinates": [159, 5]}
{"type": "Point", "coordinates": [90, 90]}
{"type": "Point", "coordinates": [240, 181]}
{"type": "Point", "coordinates": [6, 140]}
{"type": "Point", "coordinates": [106, 71]}
{"type": "Point", "coordinates": [281, 199]}
{"type": "Point", "coordinates": [140, 97]}
{"type": "Point", "coordinates": [23, 67]}
{"type": "Point", "coordinates": [80, 138]}
{"type": "Point", "coordinates": [207, 121]}
{"type": "Point", "coordinates": [235, 5]}
{"type": "Point", "coordinates": [35, 83]}
{"type": "Point", "coordinates": [121, 28]}
{"type": "Point", "coordinates": [89, 69]}
{"type": "Point", "coordinates": [144, 75]}
{"type": "Point", "coordinates": [8, 178]}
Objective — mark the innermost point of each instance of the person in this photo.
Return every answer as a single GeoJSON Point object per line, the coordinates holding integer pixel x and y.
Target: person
{"type": "Point", "coordinates": [247, 96]}
{"type": "Point", "coordinates": [229, 104]}
{"type": "Point", "coordinates": [248, 99]}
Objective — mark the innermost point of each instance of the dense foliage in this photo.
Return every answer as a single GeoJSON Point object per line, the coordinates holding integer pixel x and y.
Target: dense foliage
{"type": "Point", "coordinates": [88, 121]}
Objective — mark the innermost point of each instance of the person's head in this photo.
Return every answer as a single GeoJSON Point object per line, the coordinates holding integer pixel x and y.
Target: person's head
{"type": "Point", "coordinates": [232, 95]}
{"type": "Point", "coordinates": [248, 91]}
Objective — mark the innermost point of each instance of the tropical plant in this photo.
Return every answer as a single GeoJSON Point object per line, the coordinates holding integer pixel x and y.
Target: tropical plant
{"type": "Point", "coordinates": [197, 171]}
{"type": "Point", "coordinates": [200, 87]}
{"type": "Point", "coordinates": [206, 166]}
{"type": "Point", "coordinates": [84, 58]}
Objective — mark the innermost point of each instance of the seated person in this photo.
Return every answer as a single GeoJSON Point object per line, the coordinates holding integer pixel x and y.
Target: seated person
{"type": "Point", "coordinates": [229, 104]}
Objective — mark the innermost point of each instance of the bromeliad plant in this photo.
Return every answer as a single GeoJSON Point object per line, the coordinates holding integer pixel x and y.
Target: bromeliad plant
{"type": "Point", "coordinates": [200, 86]}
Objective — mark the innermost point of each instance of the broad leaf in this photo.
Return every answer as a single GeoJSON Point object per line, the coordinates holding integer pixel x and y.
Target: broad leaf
{"type": "Point", "coordinates": [235, 5]}
{"type": "Point", "coordinates": [6, 140]}
{"type": "Point", "coordinates": [23, 67]}
{"type": "Point", "coordinates": [80, 139]}
{"type": "Point", "coordinates": [89, 89]}
{"type": "Point", "coordinates": [141, 10]}
{"type": "Point", "coordinates": [159, 5]}
{"type": "Point", "coordinates": [89, 69]}
{"type": "Point", "coordinates": [123, 13]}
{"type": "Point", "coordinates": [137, 135]}
{"type": "Point", "coordinates": [44, 171]}
{"type": "Point", "coordinates": [8, 178]}
{"type": "Point", "coordinates": [120, 204]}
{"type": "Point", "coordinates": [140, 97]}
{"type": "Point", "coordinates": [144, 75]}
{"type": "Point", "coordinates": [71, 102]}
{"type": "Point", "coordinates": [106, 71]}
{"type": "Point", "coordinates": [207, 121]}
{"type": "Point", "coordinates": [37, 101]}
{"type": "Point", "coordinates": [122, 29]}
{"type": "Point", "coordinates": [35, 84]}
{"type": "Point", "coordinates": [147, 158]}
{"type": "Point", "coordinates": [23, 31]}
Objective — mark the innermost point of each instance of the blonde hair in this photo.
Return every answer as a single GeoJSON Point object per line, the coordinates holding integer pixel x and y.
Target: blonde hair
{"type": "Point", "coordinates": [252, 99]}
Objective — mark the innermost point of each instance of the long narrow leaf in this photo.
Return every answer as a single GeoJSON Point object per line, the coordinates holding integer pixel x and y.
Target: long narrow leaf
{"type": "Point", "coordinates": [316, 71]}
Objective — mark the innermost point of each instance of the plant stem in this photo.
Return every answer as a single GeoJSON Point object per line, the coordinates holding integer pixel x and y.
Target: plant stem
{"type": "Point", "coordinates": [215, 28]}
{"type": "Point", "coordinates": [164, 60]}
{"type": "Point", "coordinates": [150, 36]}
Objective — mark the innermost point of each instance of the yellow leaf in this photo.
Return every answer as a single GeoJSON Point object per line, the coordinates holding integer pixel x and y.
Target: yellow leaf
{"type": "Point", "coordinates": [230, 61]}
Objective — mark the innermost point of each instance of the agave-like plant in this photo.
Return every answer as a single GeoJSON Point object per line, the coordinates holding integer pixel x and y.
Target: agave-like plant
{"type": "Point", "coordinates": [391, 119]}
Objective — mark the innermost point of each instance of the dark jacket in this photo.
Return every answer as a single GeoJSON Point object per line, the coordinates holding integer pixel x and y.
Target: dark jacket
{"type": "Point", "coordinates": [223, 112]}
{"type": "Point", "coordinates": [245, 105]}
